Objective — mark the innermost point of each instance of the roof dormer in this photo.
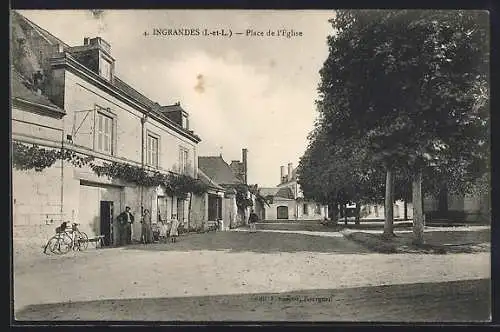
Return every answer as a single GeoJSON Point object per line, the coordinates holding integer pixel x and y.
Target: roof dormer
{"type": "Point", "coordinates": [177, 114]}
{"type": "Point", "coordinates": [95, 54]}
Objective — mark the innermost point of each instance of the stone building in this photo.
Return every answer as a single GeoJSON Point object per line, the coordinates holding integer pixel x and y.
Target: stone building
{"type": "Point", "coordinates": [71, 97]}
{"type": "Point", "coordinates": [222, 206]}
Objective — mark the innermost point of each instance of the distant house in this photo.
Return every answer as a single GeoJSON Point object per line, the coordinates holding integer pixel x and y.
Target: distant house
{"type": "Point", "coordinates": [458, 208]}
{"type": "Point", "coordinates": [222, 206]}
{"type": "Point", "coordinates": [287, 201]}
{"type": "Point", "coordinates": [208, 207]}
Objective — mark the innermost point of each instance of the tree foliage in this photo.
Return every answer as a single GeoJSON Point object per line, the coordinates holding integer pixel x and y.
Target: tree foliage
{"type": "Point", "coordinates": [412, 84]}
{"type": "Point", "coordinates": [405, 90]}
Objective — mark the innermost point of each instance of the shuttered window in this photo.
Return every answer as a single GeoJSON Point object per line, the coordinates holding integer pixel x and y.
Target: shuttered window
{"type": "Point", "coordinates": [104, 133]}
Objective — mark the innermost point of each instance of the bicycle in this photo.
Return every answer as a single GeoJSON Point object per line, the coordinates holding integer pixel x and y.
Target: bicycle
{"type": "Point", "coordinates": [66, 239]}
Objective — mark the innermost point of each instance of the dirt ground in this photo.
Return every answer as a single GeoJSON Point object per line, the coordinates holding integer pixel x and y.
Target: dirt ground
{"type": "Point", "coordinates": [242, 276]}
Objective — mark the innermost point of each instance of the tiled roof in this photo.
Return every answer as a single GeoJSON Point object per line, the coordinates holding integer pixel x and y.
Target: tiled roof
{"type": "Point", "coordinates": [117, 82]}
{"type": "Point", "coordinates": [47, 35]}
{"type": "Point", "coordinates": [217, 170]}
{"type": "Point", "coordinates": [21, 91]}
{"type": "Point", "coordinates": [132, 92]}
{"type": "Point", "coordinates": [171, 108]}
{"type": "Point", "coordinates": [206, 180]}
{"type": "Point", "coordinates": [277, 192]}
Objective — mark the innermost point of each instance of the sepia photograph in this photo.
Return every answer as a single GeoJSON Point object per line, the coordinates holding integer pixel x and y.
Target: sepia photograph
{"type": "Point", "coordinates": [174, 165]}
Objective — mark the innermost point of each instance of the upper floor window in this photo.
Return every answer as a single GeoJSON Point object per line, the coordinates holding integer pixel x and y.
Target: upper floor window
{"type": "Point", "coordinates": [105, 68]}
{"type": "Point", "coordinates": [185, 122]}
{"type": "Point", "coordinates": [104, 133]}
{"type": "Point", "coordinates": [183, 160]}
{"type": "Point", "coordinates": [152, 151]}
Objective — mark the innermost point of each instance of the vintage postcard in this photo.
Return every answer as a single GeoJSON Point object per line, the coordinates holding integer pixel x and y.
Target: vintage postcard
{"type": "Point", "coordinates": [250, 166]}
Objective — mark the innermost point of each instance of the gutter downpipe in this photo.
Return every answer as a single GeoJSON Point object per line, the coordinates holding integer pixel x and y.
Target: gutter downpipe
{"type": "Point", "coordinates": [61, 210]}
{"type": "Point", "coordinates": [143, 121]}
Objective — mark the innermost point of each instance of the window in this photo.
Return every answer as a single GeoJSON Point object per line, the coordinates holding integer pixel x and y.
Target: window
{"type": "Point", "coordinates": [152, 151]}
{"type": "Point", "coordinates": [104, 133]}
{"type": "Point", "coordinates": [317, 209]}
{"type": "Point", "coordinates": [305, 209]}
{"type": "Point", "coordinates": [183, 160]}
{"type": "Point", "coordinates": [185, 122]}
{"type": "Point", "coordinates": [105, 69]}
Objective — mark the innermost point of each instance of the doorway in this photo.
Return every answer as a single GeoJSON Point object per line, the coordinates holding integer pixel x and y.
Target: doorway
{"type": "Point", "coordinates": [214, 207]}
{"type": "Point", "coordinates": [106, 222]}
{"type": "Point", "coordinates": [282, 212]}
{"type": "Point", "coordinates": [180, 210]}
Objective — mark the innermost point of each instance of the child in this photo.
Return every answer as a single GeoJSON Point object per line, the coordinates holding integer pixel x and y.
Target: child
{"type": "Point", "coordinates": [163, 231]}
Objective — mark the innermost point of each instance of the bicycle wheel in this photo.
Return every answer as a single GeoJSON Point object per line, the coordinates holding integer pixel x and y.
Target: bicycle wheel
{"type": "Point", "coordinates": [51, 245]}
{"type": "Point", "coordinates": [82, 241]}
{"type": "Point", "coordinates": [64, 244]}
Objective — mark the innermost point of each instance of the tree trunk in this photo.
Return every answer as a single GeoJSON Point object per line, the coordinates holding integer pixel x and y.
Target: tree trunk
{"type": "Point", "coordinates": [358, 213]}
{"type": "Point", "coordinates": [443, 202]}
{"type": "Point", "coordinates": [345, 213]}
{"type": "Point", "coordinates": [418, 215]}
{"type": "Point", "coordinates": [389, 205]}
{"type": "Point", "coordinates": [406, 210]}
{"type": "Point", "coordinates": [333, 212]}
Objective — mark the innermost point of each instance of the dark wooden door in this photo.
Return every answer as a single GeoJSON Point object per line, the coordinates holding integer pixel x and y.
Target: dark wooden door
{"type": "Point", "coordinates": [282, 212]}
{"type": "Point", "coordinates": [106, 222]}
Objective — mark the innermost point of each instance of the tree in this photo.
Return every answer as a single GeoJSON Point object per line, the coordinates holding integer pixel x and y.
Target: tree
{"type": "Point", "coordinates": [412, 86]}
{"type": "Point", "coordinates": [338, 174]}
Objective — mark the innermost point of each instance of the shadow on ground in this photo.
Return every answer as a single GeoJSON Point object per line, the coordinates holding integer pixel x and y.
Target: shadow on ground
{"type": "Point", "coordinates": [317, 227]}
{"type": "Point", "coordinates": [260, 242]}
{"type": "Point", "coordinates": [436, 242]}
{"type": "Point", "coordinates": [457, 301]}
{"type": "Point", "coordinates": [454, 237]}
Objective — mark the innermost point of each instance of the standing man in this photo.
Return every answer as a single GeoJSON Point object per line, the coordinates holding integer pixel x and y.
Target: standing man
{"type": "Point", "coordinates": [125, 221]}
{"type": "Point", "coordinates": [252, 219]}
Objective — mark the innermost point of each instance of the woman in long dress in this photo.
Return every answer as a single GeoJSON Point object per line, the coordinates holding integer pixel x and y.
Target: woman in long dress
{"type": "Point", "coordinates": [174, 233]}
{"type": "Point", "coordinates": [146, 230]}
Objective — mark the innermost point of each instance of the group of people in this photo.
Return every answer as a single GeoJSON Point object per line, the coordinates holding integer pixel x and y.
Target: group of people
{"type": "Point", "coordinates": [126, 219]}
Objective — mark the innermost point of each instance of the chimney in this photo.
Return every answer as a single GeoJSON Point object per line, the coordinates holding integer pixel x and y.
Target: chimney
{"type": "Point", "coordinates": [86, 40]}
{"type": "Point", "coordinates": [283, 175]}
{"type": "Point", "coordinates": [244, 152]}
{"type": "Point", "coordinates": [290, 171]}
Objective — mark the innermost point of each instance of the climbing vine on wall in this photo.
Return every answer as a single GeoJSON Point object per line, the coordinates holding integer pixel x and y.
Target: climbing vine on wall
{"type": "Point", "coordinates": [27, 157]}
{"type": "Point", "coordinates": [175, 184]}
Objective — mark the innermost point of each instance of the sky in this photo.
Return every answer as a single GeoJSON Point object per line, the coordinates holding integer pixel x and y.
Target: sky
{"type": "Point", "coordinates": [254, 92]}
